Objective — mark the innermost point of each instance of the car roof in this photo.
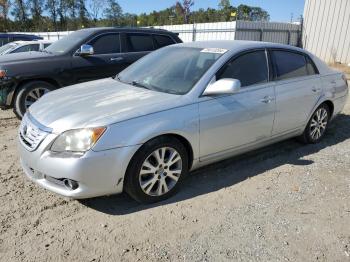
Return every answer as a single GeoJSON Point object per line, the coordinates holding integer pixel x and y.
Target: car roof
{"type": "Point", "coordinates": [27, 36]}
{"type": "Point", "coordinates": [237, 45]}
{"type": "Point", "coordinates": [33, 42]}
{"type": "Point", "coordinates": [120, 29]}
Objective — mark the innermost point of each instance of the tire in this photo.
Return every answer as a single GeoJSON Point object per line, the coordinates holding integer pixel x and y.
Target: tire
{"type": "Point", "coordinates": [26, 95]}
{"type": "Point", "coordinates": [317, 126]}
{"type": "Point", "coordinates": [148, 187]}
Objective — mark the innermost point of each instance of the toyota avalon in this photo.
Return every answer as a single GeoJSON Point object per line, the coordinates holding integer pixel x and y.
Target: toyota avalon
{"type": "Point", "coordinates": [175, 110]}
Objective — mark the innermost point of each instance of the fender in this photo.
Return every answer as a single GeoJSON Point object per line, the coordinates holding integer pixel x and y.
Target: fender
{"type": "Point", "coordinates": [182, 121]}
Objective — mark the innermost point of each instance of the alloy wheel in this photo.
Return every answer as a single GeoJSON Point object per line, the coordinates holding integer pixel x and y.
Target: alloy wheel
{"type": "Point", "coordinates": [160, 171]}
{"type": "Point", "coordinates": [34, 95]}
{"type": "Point", "coordinates": [318, 123]}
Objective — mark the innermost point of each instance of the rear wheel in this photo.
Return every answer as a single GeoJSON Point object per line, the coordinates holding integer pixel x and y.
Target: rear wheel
{"type": "Point", "coordinates": [317, 126]}
{"type": "Point", "coordinates": [157, 170]}
{"type": "Point", "coordinates": [28, 94]}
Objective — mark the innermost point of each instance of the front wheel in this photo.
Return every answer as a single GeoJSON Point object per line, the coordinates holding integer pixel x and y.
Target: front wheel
{"type": "Point", "coordinates": [29, 94]}
{"type": "Point", "coordinates": [317, 126]}
{"type": "Point", "coordinates": [157, 170]}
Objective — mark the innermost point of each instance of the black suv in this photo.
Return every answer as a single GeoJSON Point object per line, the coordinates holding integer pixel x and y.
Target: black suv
{"type": "Point", "coordinates": [82, 56]}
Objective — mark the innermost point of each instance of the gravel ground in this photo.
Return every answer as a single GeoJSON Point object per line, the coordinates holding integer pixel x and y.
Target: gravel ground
{"type": "Point", "coordinates": [287, 202]}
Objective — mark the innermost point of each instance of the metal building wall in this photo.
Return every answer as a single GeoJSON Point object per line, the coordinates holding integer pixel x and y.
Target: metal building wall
{"type": "Point", "coordinates": [283, 33]}
{"type": "Point", "coordinates": [326, 31]}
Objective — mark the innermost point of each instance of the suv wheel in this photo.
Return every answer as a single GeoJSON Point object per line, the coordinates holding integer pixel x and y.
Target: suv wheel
{"type": "Point", "coordinates": [157, 170]}
{"type": "Point", "coordinates": [28, 94]}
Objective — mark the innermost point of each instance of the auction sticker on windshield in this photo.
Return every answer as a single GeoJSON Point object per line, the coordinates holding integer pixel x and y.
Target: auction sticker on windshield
{"type": "Point", "coordinates": [214, 50]}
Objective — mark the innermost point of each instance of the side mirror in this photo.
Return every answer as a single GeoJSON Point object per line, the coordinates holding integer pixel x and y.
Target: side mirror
{"type": "Point", "coordinates": [222, 87]}
{"type": "Point", "coordinates": [86, 50]}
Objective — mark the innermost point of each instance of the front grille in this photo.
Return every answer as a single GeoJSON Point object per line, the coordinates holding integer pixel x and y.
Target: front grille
{"type": "Point", "coordinates": [30, 134]}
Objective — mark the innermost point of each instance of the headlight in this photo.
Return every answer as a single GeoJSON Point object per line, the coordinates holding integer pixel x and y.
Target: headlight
{"type": "Point", "coordinates": [2, 73]}
{"type": "Point", "coordinates": [78, 140]}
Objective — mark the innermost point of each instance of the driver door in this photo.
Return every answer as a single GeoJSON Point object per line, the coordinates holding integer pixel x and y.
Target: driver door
{"type": "Point", "coordinates": [230, 122]}
{"type": "Point", "coordinates": [105, 62]}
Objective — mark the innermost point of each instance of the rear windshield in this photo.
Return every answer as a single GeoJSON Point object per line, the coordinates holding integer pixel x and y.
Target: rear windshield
{"type": "Point", "coordinates": [7, 47]}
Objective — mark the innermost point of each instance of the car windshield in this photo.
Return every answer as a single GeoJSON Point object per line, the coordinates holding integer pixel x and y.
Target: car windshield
{"type": "Point", "coordinates": [4, 49]}
{"type": "Point", "coordinates": [67, 43]}
{"type": "Point", "coordinates": [172, 70]}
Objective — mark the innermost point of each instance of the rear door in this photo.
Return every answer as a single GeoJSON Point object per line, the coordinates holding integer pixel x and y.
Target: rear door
{"type": "Point", "coordinates": [233, 121]}
{"type": "Point", "coordinates": [105, 62]}
{"type": "Point", "coordinates": [163, 40]}
{"type": "Point", "coordinates": [298, 89]}
{"type": "Point", "coordinates": [134, 46]}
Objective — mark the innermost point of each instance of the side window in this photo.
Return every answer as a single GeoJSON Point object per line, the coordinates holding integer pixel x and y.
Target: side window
{"type": "Point", "coordinates": [163, 40]}
{"type": "Point", "coordinates": [250, 69]}
{"type": "Point", "coordinates": [289, 64]}
{"type": "Point", "coordinates": [26, 48]}
{"type": "Point", "coordinates": [46, 45]}
{"type": "Point", "coordinates": [139, 42]}
{"type": "Point", "coordinates": [34, 47]}
{"type": "Point", "coordinates": [311, 67]}
{"type": "Point", "coordinates": [106, 44]}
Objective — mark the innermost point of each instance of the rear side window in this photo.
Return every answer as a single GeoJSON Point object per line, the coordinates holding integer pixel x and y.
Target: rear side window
{"type": "Point", "coordinates": [163, 40]}
{"type": "Point", "coordinates": [46, 45]}
{"type": "Point", "coordinates": [139, 42]}
{"type": "Point", "coordinates": [289, 65]}
{"type": "Point", "coordinates": [311, 68]}
{"type": "Point", "coordinates": [106, 44]}
{"type": "Point", "coordinates": [250, 69]}
{"type": "Point", "coordinates": [27, 48]}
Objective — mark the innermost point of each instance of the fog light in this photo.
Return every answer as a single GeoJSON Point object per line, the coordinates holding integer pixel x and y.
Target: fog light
{"type": "Point", "coordinates": [71, 184]}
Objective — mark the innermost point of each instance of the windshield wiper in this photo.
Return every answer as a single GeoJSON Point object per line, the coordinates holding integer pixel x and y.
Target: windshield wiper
{"type": "Point", "coordinates": [45, 51]}
{"type": "Point", "coordinates": [138, 84]}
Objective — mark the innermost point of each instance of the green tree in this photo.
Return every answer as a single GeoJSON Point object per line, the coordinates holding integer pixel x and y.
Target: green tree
{"type": "Point", "coordinates": [19, 11]}
{"type": "Point", "coordinates": [251, 13]}
{"type": "Point", "coordinates": [36, 10]}
{"type": "Point", "coordinates": [83, 13]}
{"type": "Point", "coordinates": [4, 11]}
{"type": "Point", "coordinates": [113, 13]}
{"type": "Point", "coordinates": [51, 7]}
{"type": "Point", "coordinates": [224, 4]}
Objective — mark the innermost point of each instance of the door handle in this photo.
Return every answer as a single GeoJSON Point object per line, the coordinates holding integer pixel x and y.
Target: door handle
{"type": "Point", "coordinates": [267, 99]}
{"type": "Point", "coordinates": [117, 59]}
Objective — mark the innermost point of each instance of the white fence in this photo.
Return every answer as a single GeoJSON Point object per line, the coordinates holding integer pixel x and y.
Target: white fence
{"type": "Point", "coordinates": [284, 33]}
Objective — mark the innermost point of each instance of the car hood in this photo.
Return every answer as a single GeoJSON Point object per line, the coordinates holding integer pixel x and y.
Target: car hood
{"type": "Point", "coordinates": [22, 57]}
{"type": "Point", "coordinates": [98, 103]}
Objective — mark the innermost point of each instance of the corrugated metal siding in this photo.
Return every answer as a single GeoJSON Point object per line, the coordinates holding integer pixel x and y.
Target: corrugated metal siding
{"type": "Point", "coordinates": [203, 31]}
{"type": "Point", "coordinates": [283, 33]}
{"type": "Point", "coordinates": [327, 29]}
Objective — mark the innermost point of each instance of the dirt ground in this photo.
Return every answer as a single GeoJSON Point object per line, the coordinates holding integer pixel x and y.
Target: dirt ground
{"type": "Point", "coordinates": [287, 202]}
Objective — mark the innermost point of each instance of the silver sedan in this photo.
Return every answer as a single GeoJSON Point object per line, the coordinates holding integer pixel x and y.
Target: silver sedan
{"type": "Point", "coordinates": [175, 110]}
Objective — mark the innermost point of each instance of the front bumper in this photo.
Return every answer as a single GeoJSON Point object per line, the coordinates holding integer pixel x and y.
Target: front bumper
{"type": "Point", "coordinates": [97, 173]}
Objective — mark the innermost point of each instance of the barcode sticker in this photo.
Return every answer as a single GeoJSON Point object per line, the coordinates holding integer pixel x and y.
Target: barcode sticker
{"type": "Point", "coordinates": [214, 50]}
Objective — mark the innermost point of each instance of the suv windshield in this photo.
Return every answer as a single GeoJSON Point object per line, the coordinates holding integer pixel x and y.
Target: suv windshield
{"type": "Point", "coordinates": [67, 43]}
{"type": "Point", "coordinates": [172, 70]}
